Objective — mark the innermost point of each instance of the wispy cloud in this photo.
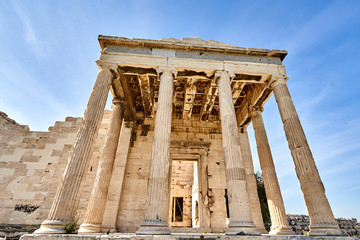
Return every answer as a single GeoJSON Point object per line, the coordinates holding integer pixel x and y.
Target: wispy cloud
{"type": "Point", "coordinates": [327, 23]}
{"type": "Point", "coordinates": [30, 36]}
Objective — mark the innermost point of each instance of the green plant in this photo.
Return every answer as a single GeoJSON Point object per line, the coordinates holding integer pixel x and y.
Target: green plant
{"type": "Point", "coordinates": [70, 227]}
{"type": "Point", "coordinates": [263, 200]}
{"type": "Point", "coordinates": [306, 233]}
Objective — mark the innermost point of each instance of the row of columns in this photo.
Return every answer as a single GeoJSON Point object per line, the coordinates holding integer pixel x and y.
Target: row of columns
{"type": "Point", "coordinates": [245, 214]}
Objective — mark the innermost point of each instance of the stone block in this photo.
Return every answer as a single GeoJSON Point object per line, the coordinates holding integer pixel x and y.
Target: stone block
{"type": "Point", "coordinates": [17, 187]}
{"type": "Point", "coordinates": [16, 165]}
{"type": "Point", "coordinates": [8, 158]}
{"type": "Point", "coordinates": [30, 158]}
{"type": "Point", "coordinates": [6, 171]}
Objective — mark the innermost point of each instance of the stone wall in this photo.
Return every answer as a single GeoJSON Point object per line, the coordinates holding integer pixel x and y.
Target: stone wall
{"type": "Point", "coordinates": [300, 224]}
{"type": "Point", "coordinates": [188, 137]}
{"type": "Point", "coordinates": [31, 165]}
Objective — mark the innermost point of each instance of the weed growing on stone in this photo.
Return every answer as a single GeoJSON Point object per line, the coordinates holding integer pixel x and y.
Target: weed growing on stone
{"type": "Point", "coordinates": [70, 227]}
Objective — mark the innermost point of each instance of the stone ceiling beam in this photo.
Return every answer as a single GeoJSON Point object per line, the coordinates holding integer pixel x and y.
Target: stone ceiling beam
{"type": "Point", "coordinates": [239, 86]}
{"type": "Point", "coordinates": [257, 96]}
{"type": "Point", "coordinates": [190, 91]}
{"type": "Point", "coordinates": [209, 102]}
{"type": "Point", "coordinates": [128, 97]}
{"type": "Point", "coordinates": [144, 83]}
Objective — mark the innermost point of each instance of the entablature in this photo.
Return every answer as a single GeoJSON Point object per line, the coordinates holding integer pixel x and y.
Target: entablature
{"type": "Point", "coordinates": [195, 94]}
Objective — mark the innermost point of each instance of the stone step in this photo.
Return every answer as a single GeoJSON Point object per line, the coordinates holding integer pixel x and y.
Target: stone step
{"type": "Point", "coordinates": [174, 236]}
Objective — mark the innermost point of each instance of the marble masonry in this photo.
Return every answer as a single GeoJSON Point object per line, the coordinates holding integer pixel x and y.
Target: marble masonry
{"type": "Point", "coordinates": [172, 154]}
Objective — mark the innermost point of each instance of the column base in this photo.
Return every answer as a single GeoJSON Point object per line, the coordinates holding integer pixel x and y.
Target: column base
{"type": "Point", "coordinates": [242, 228]}
{"type": "Point", "coordinates": [90, 228]}
{"type": "Point", "coordinates": [281, 230]}
{"type": "Point", "coordinates": [326, 229]}
{"type": "Point", "coordinates": [153, 228]}
{"type": "Point", "coordinates": [52, 227]}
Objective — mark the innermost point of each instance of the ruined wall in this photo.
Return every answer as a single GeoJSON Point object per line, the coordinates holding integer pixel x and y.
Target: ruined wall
{"type": "Point", "coordinates": [31, 165]}
{"type": "Point", "coordinates": [300, 224]}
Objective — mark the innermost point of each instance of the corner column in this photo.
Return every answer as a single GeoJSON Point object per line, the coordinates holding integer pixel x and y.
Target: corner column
{"type": "Point", "coordinates": [96, 207]}
{"type": "Point", "coordinates": [67, 196]}
{"type": "Point", "coordinates": [240, 215]}
{"type": "Point", "coordinates": [157, 203]}
{"type": "Point", "coordinates": [251, 181]}
{"type": "Point", "coordinates": [322, 221]}
{"type": "Point", "coordinates": [279, 222]}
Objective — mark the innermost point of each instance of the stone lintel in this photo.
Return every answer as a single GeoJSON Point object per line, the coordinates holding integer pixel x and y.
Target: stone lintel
{"type": "Point", "coordinates": [207, 65]}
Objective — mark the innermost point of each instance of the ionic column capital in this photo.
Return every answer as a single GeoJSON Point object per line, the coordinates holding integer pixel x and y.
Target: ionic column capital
{"type": "Point", "coordinates": [167, 70]}
{"type": "Point", "coordinates": [256, 111]}
{"type": "Point", "coordinates": [224, 75]}
{"type": "Point", "coordinates": [104, 65]}
{"type": "Point", "coordinates": [277, 80]}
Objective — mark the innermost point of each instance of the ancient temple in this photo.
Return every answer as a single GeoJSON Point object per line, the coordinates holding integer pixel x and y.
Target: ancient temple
{"type": "Point", "coordinates": [175, 155]}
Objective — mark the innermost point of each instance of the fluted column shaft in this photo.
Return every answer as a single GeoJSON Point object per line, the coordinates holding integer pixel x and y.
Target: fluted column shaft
{"type": "Point", "coordinates": [67, 197]}
{"type": "Point", "coordinates": [239, 206]}
{"type": "Point", "coordinates": [157, 203]}
{"type": "Point", "coordinates": [322, 221]}
{"type": "Point", "coordinates": [95, 210]}
{"type": "Point", "coordinates": [279, 222]}
{"type": "Point", "coordinates": [251, 181]}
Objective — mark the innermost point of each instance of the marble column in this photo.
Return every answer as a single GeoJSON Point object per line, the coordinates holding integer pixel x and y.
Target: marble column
{"type": "Point", "coordinates": [95, 210]}
{"type": "Point", "coordinates": [251, 181]}
{"type": "Point", "coordinates": [157, 203]}
{"type": "Point", "coordinates": [67, 196]}
{"type": "Point", "coordinates": [322, 221]}
{"type": "Point", "coordinates": [279, 222]}
{"type": "Point", "coordinates": [240, 215]}
{"type": "Point", "coordinates": [117, 179]}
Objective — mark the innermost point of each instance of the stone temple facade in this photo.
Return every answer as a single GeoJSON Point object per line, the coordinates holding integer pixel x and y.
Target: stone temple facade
{"type": "Point", "coordinates": [172, 154]}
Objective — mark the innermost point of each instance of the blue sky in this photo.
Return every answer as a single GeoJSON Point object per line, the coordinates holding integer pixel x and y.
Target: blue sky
{"type": "Point", "coordinates": [48, 51]}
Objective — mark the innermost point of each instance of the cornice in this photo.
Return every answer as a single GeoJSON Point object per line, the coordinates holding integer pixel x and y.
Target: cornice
{"type": "Point", "coordinates": [202, 45]}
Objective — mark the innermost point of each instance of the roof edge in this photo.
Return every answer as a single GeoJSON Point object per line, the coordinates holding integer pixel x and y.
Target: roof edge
{"type": "Point", "coordinates": [172, 43]}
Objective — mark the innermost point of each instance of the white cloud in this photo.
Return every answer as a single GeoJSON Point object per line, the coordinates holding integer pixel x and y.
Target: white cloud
{"type": "Point", "coordinates": [37, 46]}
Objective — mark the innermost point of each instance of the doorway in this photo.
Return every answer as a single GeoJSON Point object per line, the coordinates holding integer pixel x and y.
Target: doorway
{"type": "Point", "coordinates": [184, 194]}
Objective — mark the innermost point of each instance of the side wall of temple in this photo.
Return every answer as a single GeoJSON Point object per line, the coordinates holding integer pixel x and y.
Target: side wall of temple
{"type": "Point", "coordinates": [32, 163]}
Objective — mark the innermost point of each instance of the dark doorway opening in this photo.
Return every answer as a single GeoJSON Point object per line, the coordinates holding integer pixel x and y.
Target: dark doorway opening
{"type": "Point", "coordinates": [227, 204]}
{"type": "Point", "coordinates": [178, 208]}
